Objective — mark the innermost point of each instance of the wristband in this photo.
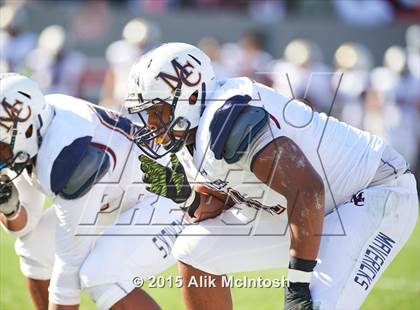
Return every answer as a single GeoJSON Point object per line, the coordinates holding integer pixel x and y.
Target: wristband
{"type": "Point", "coordinates": [187, 203]}
{"type": "Point", "coordinates": [192, 203]}
{"type": "Point", "coordinates": [13, 215]}
{"type": "Point", "coordinates": [298, 276]}
{"type": "Point", "coordinates": [300, 270]}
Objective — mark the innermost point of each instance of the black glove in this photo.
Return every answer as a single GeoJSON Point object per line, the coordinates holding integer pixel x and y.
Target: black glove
{"type": "Point", "coordinates": [297, 295]}
{"type": "Point", "coordinates": [170, 182]}
{"type": "Point", "coordinates": [9, 196]}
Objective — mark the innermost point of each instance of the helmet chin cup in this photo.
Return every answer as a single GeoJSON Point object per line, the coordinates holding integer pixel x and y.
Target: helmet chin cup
{"type": "Point", "coordinates": [145, 139]}
{"type": "Point", "coordinates": [181, 124]}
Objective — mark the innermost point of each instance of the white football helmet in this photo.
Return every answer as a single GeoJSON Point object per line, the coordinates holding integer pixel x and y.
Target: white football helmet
{"type": "Point", "coordinates": [24, 118]}
{"type": "Point", "coordinates": [178, 74]}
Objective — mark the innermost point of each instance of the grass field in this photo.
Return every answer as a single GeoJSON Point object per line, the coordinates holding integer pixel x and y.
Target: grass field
{"type": "Point", "coordinates": [399, 287]}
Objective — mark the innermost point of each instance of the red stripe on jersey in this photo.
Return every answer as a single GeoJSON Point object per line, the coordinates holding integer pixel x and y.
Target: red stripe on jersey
{"type": "Point", "coordinates": [108, 150]}
{"type": "Point", "coordinates": [275, 121]}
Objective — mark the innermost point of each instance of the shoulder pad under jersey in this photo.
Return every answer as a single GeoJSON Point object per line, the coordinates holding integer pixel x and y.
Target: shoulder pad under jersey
{"type": "Point", "coordinates": [233, 127]}
{"type": "Point", "coordinates": [77, 168]}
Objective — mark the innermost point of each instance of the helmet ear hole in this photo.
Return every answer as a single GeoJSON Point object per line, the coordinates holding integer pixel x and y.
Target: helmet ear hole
{"type": "Point", "coordinates": [29, 131]}
{"type": "Point", "coordinates": [193, 98]}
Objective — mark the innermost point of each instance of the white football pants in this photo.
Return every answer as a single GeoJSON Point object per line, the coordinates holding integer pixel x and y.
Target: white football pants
{"type": "Point", "coordinates": [360, 239]}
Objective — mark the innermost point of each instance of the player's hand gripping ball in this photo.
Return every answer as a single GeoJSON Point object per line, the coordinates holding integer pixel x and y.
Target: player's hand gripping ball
{"type": "Point", "coordinates": [170, 182]}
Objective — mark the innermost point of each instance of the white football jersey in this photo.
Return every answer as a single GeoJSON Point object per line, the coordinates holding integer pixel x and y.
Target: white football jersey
{"type": "Point", "coordinates": [345, 157]}
{"type": "Point", "coordinates": [75, 126]}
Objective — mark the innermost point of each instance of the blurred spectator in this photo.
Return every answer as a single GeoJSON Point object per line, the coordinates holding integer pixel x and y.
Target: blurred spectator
{"type": "Point", "coordinates": [406, 10]}
{"type": "Point", "coordinates": [212, 48]}
{"type": "Point", "coordinates": [142, 33]}
{"type": "Point", "coordinates": [310, 79]}
{"type": "Point", "coordinates": [255, 59]}
{"type": "Point", "coordinates": [138, 35]}
{"type": "Point", "coordinates": [56, 69]}
{"type": "Point", "coordinates": [353, 61]}
{"type": "Point", "coordinates": [92, 22]}
{"type": "Point", "coordinates": [231, 56]}
{"type": "Point", "coordinates": [406, 84]}
{"type": "Point", "coordinates": [206, 4]}
{"type": "Point", "coordinates": [248, 58]}
{"type": "Point", "coordinates": [267, 11]}
{"type": "Point", "coordinates": [153, 7]}
{"type": "Point", "coordinates": [391, 104]}
{"type": "Point", "coordinates": [15, 43]}
{"type": "Point", "coordinates": [4, 67]}
{"type": "Point", "coordinates": [384, 100]}
{"type": "Point", "coordinates": [412, 80]}
{"type": "Point", "coordinates": [364, 12]}
{"type": "Point", "coordinates": [413, 50]}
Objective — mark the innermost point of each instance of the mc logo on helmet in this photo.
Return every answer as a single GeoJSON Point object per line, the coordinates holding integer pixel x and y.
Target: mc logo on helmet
{"type": "Point", "coordinates": [14, 112]}
{"type": "Point", "coordinates": [183, 75]}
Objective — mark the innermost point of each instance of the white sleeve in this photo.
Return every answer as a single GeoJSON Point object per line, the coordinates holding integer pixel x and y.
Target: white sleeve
{"type": "Point", "coordinates": [266, 135]}
{"type": "Point", "coordinates": [32, 200]}
{"type": "Point", "coordinates": [71, 249]}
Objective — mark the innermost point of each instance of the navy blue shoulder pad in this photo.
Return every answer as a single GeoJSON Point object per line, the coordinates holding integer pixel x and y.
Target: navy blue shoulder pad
{"type": "Point", "coordinates": [77, 168]}
{"type": "Point", "coordinates": [246, 127]}
{"type": "Point", "coordinates": [223, 121]}
{"type": "Point", "coordinates": [67, 161]}
{"type": "Point", "coordinates": [91, 169]}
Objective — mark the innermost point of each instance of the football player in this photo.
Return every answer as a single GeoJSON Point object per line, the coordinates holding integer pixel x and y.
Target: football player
{"type": "Point", "coordinates": [82, 157]}
{"type": "Point", "coordinates": [273, 153]}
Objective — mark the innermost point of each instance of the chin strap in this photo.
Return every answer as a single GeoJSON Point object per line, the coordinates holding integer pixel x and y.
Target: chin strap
{"type": "Point", "coordinates": [177, 95]}
{"type": "Point", "coordinates": [203, 98]}
{"type": "Point", "coordinates": [38, 131]}
{"type": "Point", "coordinates": [43, 124]}
{"type": "Point", "coordinates": [14, 134]}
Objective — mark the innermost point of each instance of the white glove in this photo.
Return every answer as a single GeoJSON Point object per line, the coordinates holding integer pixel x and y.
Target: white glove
{"type": "Point", "coordinates": [9, 196]}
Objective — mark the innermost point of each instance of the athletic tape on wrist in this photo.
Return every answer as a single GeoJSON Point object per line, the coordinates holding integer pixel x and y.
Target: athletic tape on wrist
{"type": "Point", "coordinates": [299, 276]}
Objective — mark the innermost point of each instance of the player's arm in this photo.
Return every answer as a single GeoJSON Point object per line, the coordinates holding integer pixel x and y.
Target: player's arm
{"type": "Point", "coordinates": [71, 249]}
{"type": "Point", "coordinates": [21, 205]}
{"type": "Point", "coordinates": [78, 200]}
{"type": "Point", "coordinates": [283, 167]}
{"type": "Point", "coordinates": [13, 216]}
{"type": "Point", "coordinates": [278, 162]}
{"type": "Point", "coordinates": [256, 143]}
{"type": "Point", "coordinates": [21, 209]}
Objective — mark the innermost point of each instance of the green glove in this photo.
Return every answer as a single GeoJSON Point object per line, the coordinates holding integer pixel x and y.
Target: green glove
{"type": "Point", "coordinates": [170, 182]}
